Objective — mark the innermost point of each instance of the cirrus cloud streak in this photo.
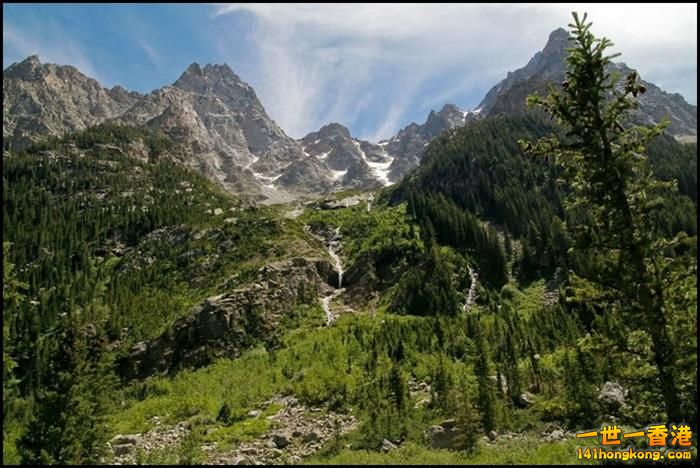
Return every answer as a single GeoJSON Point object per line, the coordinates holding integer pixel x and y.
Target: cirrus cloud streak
{"type": "Point", "coordinates": [376, 67]}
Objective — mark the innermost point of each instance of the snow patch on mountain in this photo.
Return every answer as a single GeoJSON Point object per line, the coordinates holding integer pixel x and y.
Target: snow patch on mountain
{"type": "Point", "coordinates": [337, 175]}
{"type": "Point", "coordinates": [380, 170]}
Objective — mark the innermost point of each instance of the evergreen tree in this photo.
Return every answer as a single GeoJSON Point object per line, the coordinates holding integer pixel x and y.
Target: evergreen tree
{"type": "Point", "coordinates": [69, 425]}
{"type": "Point", "coordinates": [580, 391]}
{"type": "Point", "coordinates": [485, 398]}
{"type": "Point", "coordinates": [398, 388]}
{"type": "Point", "coordinates": [603, 161]}
{"type": "Point", "coordinates": [466, 424]}
{"type": "Point", "coordinates": [441, 387]}
{"type": "Point", "coordinates": [428, 289]}
{"type": "Point", "coordinates": [12, 296]}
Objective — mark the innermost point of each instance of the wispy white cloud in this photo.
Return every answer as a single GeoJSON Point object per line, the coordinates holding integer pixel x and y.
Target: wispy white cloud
{"type": "Point", "coordinates": [142, 35]}
{"type": "Point", "coordinates": [372, 67]}
{"type": "Point", "coordinates": [150, 52]}
{"type": "Point", "coordinates": [333, 62]}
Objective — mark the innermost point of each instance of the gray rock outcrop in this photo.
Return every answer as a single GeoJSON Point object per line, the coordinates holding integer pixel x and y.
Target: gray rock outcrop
{"type": "Point", "coordinates": [443, 435]}
{"type": "Point", "coordinates": [410, 142]}
{"type": "Point", "coordinates": [549, 66]}
{"type": "Point", "coordinates": [224, 325]}
{"type": "Point", "coordinates": [48, 99]}
{"type": "Point", "coordinates": [612, 395]}
{"type": "Point", "coordinates": [298, 432]}
{"type": "Point", "coordinates": [354, 164]}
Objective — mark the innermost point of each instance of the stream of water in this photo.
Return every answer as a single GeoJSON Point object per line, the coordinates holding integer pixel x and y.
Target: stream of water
{"type": "Point", "coordinates": [326, 304]}
{"type": "Point", "coordinates": [333, 249]}
{"type": "Point", "coordinates": [471, 294]}
{"type": "Point", "coordinates": [334, 246]}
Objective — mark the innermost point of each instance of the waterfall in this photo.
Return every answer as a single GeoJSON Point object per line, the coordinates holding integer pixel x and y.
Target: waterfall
{"type": "Point", "coordinates": [370, 199]}
{"type": "Point", "coordinates": [333, 243]}
{"type": "Point", "coordinates": [333, 248]}
{"type": "Point", "coordinates": [326, 304]}
{"type": "Point", "coordinates": [471, 294]}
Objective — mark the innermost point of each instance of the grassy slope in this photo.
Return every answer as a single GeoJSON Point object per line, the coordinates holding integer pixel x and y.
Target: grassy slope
{"type": "Point", "coordinates": [318, 363]}
{"type": "Point", "coordinates": [132, 242]}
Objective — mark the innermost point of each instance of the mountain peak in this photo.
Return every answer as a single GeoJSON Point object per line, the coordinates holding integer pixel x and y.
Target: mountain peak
{"type": "Point", "coordinates": [193, 69]}
{"type": "Point", "coordinates": [449, 108]}
{"type": "Point", "coordinates": [51, 99]}
{"type": "Point", "coordinates": [550, 65]}
{"type": "Point", "coordinates": [209, 71]}
{"type": "Point", "coordinates": [27, 69]}
{"type": "Point", "coordinates": [559, 33]}
{"type": "Point", "coordinates": [449, 116]}
{"type": "Point", "coordinates": [335, 127]}
{"type": "Point", "coordinates": [556, 44]}
{"type": "Point", "coordinates": [450, 111]}
{"type": "Point", "coordinates": [32, 59]}
{"type": "Point", "coordinates": [331, 130]}
{"type": "Point", "coordinates": [217, 78]}
{"type": "Point", "coordinates": [218, 69]}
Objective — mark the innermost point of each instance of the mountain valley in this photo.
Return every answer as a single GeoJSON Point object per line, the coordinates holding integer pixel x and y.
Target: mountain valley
{"type": "Point", "coordinates": [195, 286]}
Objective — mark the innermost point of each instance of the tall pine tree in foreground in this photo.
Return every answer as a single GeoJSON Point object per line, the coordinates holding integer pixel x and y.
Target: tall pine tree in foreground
{"type": "Point", "coordinates": [604, 163]}
{"type": "Point", "coordinates": [69, 424]}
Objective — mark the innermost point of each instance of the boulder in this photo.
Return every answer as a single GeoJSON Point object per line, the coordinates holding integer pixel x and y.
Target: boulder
{"type": "Point", "coordinates": [387, 446]}
{"type": "Point", "coordinates": [311, 436]}
{"type": "Point", "coordinates": [274, 453]}
{"type": "Point", "coordinates": [443, 435]}
{"type": "Point", "coordinates": [344, 203]}
{"type": "Point", "coordinates": [128, 439]}
{"type": "Point", "coordinates": [555, 435]}
{"type": "Point", "coordinates": [209, 447]}
{"type": "Point", "coordinates": [425, 402]}
{"type": "Point", "coordinates": [281, 440]}
{"type": "Point", "coordinates": [612, 395]}
{"type": "Point", "coordinates": [525, 399]}
{"type": "Point", "coordinates": [492, 435]}
{"type": "Point", "coordinates": [121, 450]}
{"type": "Point", "coordinates": [449, 423]}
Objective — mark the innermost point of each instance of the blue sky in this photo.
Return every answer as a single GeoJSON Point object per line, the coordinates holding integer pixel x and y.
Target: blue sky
{"type": "Point", "coordinates": [374, 68]}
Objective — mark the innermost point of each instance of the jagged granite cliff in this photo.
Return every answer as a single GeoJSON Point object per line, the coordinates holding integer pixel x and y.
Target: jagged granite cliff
{"type": "Point", "coordinates": [549, 66]}
{"type": "Point", "coordinates": [223, 131]}
{"type": "Point", "coordinates": [227, 324]}
{"type": "Point", "coordinates": [46, 99]}
{"type": "Point", "coordinates": [220, 121]}
{"type": "Point", "coordinates": [354, 163]}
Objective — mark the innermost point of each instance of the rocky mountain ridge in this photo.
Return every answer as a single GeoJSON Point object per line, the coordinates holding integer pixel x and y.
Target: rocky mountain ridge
{"type": "Point", "coordinates": [220, 126]}
{"type": "Point", "coordinates": [223, 131]}
{"type": "Point", "coordinates": [220, 122]}
{"type": "Point", "coordinates": [222, 325]}
{"type": "Point", "coordinates": [410, 142]}
{"type": "Point", "coordinates": [356, 164]}
{"type": "Point", "coordinates": [549, 66]}
{"type": "Point", "coordinates": [48, 99]}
